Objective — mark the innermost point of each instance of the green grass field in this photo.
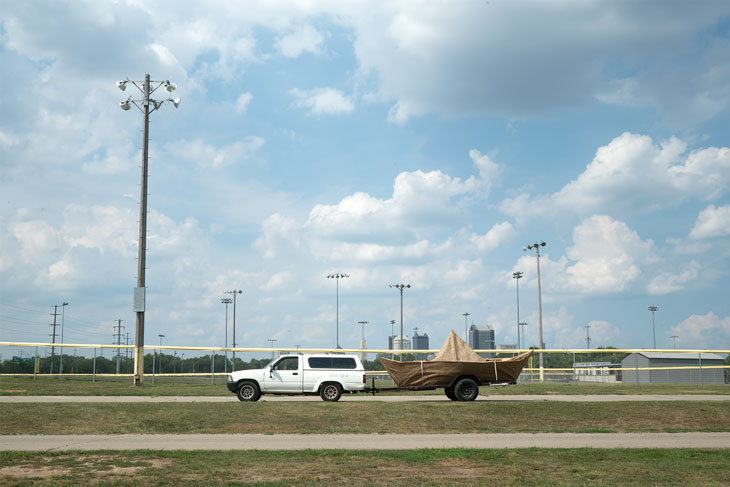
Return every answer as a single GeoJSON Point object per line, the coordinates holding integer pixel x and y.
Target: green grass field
{"type": "Point", "coordinates": [458, 467]}
{"type": "Point", "coordinates": [362, 417]}
{"type": "Point", "coordinates": [201, 386]}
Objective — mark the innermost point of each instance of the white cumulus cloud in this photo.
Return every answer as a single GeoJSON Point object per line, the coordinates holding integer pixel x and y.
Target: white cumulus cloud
{"type": "Point", "coordinates": [712, 222]}
{"type": "Point", "coordinates": [666, 282]}
{"type": "Point", "coordinates": [323, 101]}
{"type": "Point", "coordinates": [305, 39]}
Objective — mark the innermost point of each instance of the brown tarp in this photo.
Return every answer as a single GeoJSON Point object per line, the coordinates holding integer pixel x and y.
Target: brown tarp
{"type": "Point", "coordinates": [455, 358]}
{"type": "Point", "coordinates": [455, 349]}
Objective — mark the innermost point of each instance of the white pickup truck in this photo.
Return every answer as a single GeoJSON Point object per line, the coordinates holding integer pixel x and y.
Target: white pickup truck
{"type": "Point", "coordinates": [323, 374]}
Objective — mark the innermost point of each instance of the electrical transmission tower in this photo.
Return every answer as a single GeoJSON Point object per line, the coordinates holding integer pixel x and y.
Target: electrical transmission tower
{"type": "Point", "coordinates": [118, 336]}
{"type": "Point", "coordinates": [53, 335]}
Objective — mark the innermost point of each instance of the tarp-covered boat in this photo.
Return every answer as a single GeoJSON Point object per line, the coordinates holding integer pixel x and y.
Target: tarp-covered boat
{"type": "Point", "coordinates": [455, 359]}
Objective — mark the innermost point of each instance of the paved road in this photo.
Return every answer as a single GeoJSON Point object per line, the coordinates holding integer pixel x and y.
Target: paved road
{"type": "Point", "coordinates": [365, 442]}
{"type": "Point", "coordinates": [376, 398]}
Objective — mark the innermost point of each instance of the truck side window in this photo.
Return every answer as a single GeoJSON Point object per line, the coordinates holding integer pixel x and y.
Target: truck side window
{"type": "Point", "coordinates": [287, 363]}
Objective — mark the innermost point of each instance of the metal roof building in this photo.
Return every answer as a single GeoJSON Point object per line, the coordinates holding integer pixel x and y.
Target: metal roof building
{"type": "Point", "coordinates": [694, 368]}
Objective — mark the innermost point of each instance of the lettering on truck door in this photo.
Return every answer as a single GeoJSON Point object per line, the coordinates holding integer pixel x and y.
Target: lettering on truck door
{"type": "Point", "coordinates": [284, 376]}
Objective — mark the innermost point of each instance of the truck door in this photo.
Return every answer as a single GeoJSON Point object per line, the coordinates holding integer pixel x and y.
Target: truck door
{"type": "Point", "coordinates": [284, 376]}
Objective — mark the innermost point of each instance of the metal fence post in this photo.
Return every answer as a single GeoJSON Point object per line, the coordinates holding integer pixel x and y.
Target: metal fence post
{"type": "Point", "coordinates": [702, 379]}
{"type": "Point", "coordinates": [93, 377]}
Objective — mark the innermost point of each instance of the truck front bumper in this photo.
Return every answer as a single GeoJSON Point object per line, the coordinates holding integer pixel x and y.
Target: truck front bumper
{"type": "Point", "coordinates": [231, 386]}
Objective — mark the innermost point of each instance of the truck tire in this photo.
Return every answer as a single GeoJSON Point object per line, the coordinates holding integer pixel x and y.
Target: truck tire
{"type": "Point", "coordinates": [466, 390]}
{"type": "Point", "coordinates": [330, 391]}
{"type": "Point", "coordinates": [248, 391]}
{"type": "Point", "coordinates": [450, 393]}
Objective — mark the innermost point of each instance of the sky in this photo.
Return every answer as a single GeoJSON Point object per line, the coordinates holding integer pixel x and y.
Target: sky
{"type": "Point", "coordinates": [415, 142]}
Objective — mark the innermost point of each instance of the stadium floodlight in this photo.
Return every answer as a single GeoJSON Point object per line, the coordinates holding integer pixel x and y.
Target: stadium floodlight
{"type": "Point", "coordinates": [337, 276]}
{"type": "Point", "coordinates": [400, 287]}
{"type": "Point", "coordinates": [541, 345]}
{"type": "Point", "coordinates": [146, 87]}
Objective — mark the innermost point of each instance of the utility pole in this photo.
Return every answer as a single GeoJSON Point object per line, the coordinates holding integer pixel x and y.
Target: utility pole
{"type": "Point", "coordinates": [53, 335]}
{"type": "Point", "coordinates": [139, 292]}
{"type": "Point", "coordinates": [118, 336]}
{"type": "Point", "coordinates": [126, 353]}
{"type": "Point", "coordinates": [272, 340]}
{"type": "Point", "coordinates": [63, 320]}
{"type": "Point", "coordinates": [588, 336]}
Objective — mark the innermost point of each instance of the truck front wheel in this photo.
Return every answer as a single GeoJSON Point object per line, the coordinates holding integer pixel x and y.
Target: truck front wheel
{"type": "Point", "coordinates": [330, 391]}
{"type": "Point", "coordinates": [248, 391]}
{"type": "Point", "coordinates": [466, 390]}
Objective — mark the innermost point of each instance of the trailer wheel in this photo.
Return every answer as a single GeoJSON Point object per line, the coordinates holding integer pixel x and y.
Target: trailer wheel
{"type": "Point", "coordinates": [466, 390]}
{"type": "Point", "coordinates": [331, 391]}
{"type": "Point", "coordinates": [248, 391]}
{"type": "Point", "coordinates": [450, 393]}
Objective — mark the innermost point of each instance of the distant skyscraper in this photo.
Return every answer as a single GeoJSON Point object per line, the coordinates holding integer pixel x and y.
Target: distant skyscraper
{"type": "Point", "coordinates": [420, 342]}
{"type": "Point", "coordinates": [397, 343]}
{"type": "Point", "coordinates": [481, 338]}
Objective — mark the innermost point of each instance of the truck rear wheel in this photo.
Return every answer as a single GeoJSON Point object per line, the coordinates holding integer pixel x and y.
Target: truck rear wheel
{"type": "Point", "coordinates": [331, 391]}
{"type": "Point", "coordinates": [466, 390]}
{"type": "Point", "coordinates": [248, 391]}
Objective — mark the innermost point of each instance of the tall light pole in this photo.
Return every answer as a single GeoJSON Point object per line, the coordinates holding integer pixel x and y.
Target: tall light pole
{"type": "Point", "coordinates": [234, 292]}
{"type": "Point", "coordinates": [401, 287]}
{"type": "Point", "coordinates": [523, 325]}
{"type": "Point", "coordinates": [653, 327]}
{"type": "Point", "coordinates": [226, 301]}
{"type": "Point", "coordinates": [392, 338]}
{"type": "Point", "coordinates": [145, 87]}
{"type": "Point", "coordinates": [517, 276]}
{"type": "Point", "coordinates": [537, 246]}
{"type": "Point", "coordinates": [588, 336]}
{"type": "Point", "coordinates": [63, 319]}
{"type": "Point", "coordinates": [337, 278]}
{"type": "Point", "coordinates": [466, 326]}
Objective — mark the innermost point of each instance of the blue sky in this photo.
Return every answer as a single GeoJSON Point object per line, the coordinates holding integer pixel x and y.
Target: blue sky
{"type": "Point", "coordinates": [399, 142]}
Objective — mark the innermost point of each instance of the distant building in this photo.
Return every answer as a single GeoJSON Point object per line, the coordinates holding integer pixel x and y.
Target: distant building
{"type": "Point", "coordinates": [420, 342]}
{"type": "Point", "coordinates": [507, 346]}
{"type": "Point", "coordinates": [401, 343]}
{"type": "Point", "coordinates": [663, 362]}
{"type": "Point", "coordinates": [605, 372]}
{"type": "Point", "coordinates": [482, 338]}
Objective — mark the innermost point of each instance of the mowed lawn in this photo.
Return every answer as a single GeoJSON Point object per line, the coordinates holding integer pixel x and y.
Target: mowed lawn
{"type": "Point", "coordinates": [457, 467]}
{"type": "Point", "coordinates": [201, 386]}
{"type": "Point", "coordinates": [273, 417]}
